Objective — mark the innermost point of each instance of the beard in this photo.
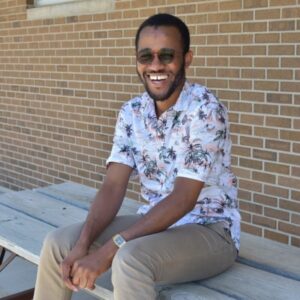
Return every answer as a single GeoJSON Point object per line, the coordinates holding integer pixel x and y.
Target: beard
{"type": "Point", "coordinates": [178, 80]}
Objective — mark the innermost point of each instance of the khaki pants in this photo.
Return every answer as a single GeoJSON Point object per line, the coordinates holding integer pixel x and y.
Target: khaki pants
{"type": "Point", "coordinates": [184, 253]}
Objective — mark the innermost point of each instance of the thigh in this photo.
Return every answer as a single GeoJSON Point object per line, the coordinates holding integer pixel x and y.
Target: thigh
{"type": "Point", "coordinates": [66, 237]}
{"type": "Point", "coordinates": [185, 253]}
{"type": "Point", "coordinates": [118, 224]}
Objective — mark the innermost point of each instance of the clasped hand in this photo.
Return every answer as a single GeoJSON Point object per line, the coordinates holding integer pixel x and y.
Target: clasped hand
{"type": "Point", "coordinates": [80, 270]}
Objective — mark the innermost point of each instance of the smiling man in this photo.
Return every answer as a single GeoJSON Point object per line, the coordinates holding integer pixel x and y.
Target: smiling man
{"type": "Point", "coordinates": [175, 136]}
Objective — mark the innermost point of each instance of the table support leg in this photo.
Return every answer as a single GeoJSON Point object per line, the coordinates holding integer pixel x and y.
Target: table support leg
{"type": "Point", "coordinates": [26, 295]}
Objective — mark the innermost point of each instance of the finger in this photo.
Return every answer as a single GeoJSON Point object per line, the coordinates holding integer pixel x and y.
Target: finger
{"type": "Point", "coordinates": [66, 277]}
{"type": "Point", "coordinates": [90, 284]}
{"type": "Point", "coordinates": [83, 282]}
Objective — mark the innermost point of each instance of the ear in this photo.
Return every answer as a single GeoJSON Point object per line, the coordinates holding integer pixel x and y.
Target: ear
{"type": "Point", "coordinates": [188, 58]}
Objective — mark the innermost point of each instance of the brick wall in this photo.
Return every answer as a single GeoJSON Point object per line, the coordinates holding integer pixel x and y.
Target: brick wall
{"type": "Point", "coordinates": [63, 81]}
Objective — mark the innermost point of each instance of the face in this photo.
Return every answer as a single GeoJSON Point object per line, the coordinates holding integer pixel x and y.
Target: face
{"type": "Point", "coordinates": [161, 63]}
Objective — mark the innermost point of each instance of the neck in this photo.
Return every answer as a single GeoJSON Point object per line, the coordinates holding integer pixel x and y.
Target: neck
{"type": "Point", "coordinates": [162, 106]}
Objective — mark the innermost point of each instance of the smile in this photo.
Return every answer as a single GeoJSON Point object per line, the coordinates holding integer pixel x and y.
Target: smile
{"type": "Point", "coordinates": [157, 77]}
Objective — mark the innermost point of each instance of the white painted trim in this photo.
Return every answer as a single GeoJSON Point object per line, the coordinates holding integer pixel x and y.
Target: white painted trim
{"type": "Point", "coordinates": [74, 8]}
{"type": "Point", "coordinates": [38, 3]}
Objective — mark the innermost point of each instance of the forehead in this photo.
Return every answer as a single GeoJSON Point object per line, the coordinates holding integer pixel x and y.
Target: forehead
{"type": "Point", "coordinates": [159, 37]}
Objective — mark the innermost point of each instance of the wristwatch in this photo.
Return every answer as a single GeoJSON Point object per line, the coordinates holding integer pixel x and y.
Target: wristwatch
{"type": "Point", "coordinates": [119, 240]}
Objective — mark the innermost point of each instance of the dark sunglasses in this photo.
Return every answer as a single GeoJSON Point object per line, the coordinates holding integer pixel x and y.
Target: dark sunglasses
{"type": "Point", "coordinates": [146, 56]}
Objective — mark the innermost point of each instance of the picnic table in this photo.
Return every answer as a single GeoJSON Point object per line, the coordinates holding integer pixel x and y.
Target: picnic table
{"type": "Point", "coordinates": [264, 269]}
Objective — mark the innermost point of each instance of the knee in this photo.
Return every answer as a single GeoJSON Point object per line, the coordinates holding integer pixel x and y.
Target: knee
{"type": "Point", "coordinates": [129, 261]}
{"type": "Point", "coordinates": [125, 258]}
{"type": "Point", "coordinates": [53, 246]}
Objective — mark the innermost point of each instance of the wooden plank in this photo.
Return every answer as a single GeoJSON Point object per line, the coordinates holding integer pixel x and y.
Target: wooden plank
{"type": "Point", "coordinates": [244, 282]}
{"type": "Point", "coordinates": [101, 293]}
{"type": "Point", "coordinates": [22, 234]}
{"type": "Point", "coordinates": [241, 282]}
{"type": "Point", "coordinates": [189, 291]}
{"type": "Point", "coordinates": [46, 209]}
{"type": "Point", "coordinates": [81, 195]}
{"type": "Point", "coordinates": [270, 255]}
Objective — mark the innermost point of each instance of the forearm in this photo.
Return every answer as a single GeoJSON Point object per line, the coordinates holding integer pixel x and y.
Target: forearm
{"type": "Point", "coordinates": [167, 212]}
{"type": "Point", "coordinates": [102, 211]}
{"type": "Point", "coordinates": [158, 219]}
{"type": "Point", "coordinates": [106, 204]}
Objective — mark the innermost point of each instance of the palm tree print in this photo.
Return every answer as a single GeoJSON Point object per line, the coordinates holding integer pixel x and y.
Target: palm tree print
{"type": "Point", "coordinates": [196, 156]}
{"type": "Point", "coordinates": [176, 120]}
{"type": "Point", "coordinates": [167, 155]}
{"type": "Point", "coordinates": [202, 116]}
{"type": "Point", "coordinates": [125, 149]}
{"type": "Point", "coordinates": [136, 106]}
{"type": "Point", "coordinates": [220, 112]}
{"type": "Point", "coordinates": [220, 134]}
{"type": "Point", "coordinates": [128, 129]}
{"type": "Point", "coordinates": [171, 154]}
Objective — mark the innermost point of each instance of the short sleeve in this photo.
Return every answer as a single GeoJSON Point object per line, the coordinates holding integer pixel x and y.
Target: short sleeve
{"type": "Point", "coordinates": [122, 149]}
{"type": "Point", "coordinates": [204, 141]}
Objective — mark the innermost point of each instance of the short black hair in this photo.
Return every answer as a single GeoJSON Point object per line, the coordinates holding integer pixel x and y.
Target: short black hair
{"type": "Point", "coordinates": [164, 19]}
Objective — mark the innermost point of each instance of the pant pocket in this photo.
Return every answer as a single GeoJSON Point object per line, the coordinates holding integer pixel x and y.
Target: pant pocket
{"type": "Point", "coordinates": [222, 231]}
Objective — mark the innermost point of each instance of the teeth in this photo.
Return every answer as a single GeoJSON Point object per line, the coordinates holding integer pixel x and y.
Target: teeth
{"type": "Point", "coordinates": [158, 77]}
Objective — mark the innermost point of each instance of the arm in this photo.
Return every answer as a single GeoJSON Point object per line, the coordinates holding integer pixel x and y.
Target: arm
{"type": "Point", "coordinates": [167, 212]}
{"type": "Point", "coordinates": [106, 204]}
{"type": "Point", "coordinates": [103, 209]}
{"type": "Point", "coordinates": [181, 201]}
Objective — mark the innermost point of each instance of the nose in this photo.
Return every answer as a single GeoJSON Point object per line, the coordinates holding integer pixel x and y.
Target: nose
{"type": "Point", "coordinates": [156, 63]}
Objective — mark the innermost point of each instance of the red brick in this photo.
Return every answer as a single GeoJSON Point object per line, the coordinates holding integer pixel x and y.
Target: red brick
{"type": "Point", "coordinates": [290, 135]}
{"type": "Point", "coordinates": [267, 38]}
{"type": "Point", "coordinates": [296, 219]}
{"type": "Point", "coordinates": [274, 190]}
{"type": "Point", "coordinates": [278, 122]}
{"type": "Point", "coordinates": [295, 242]}
{"type": "Point", "coordinates": [282, 25]}
{"type": "Point", "coordinates": [289, 228]}
{"type": "Point", "coordinates": [276, 214]}
{"type": "Point", "coordinates": [288, 181]}
{"type": "Point", "coordinates": [275, 236]}
{"type": "Point", "coordinates": [278, 145]}
{"type": "Point", "coordinates": [264, 177]}
{"type": "Point", "coordinates": [293, 206]}
{"type": "Point", "coordinates": [251, 229]}
{"type": "Point", "coordinates": [251, 207]}
{"type": "Point", "coordinates": [296, 195]}
{"type": "Point", "coordinates": [250, 185]}
{"type": "Point", "coordinates": [265, 200]}
{"type": "Point", "coordinates": [263, 221]}
{"type": "Point", "coordinates": [265, 14]}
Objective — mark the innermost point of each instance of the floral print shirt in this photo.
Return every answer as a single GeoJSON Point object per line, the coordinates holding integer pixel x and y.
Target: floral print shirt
{"type": "Point", "coordinates": [191, 139]}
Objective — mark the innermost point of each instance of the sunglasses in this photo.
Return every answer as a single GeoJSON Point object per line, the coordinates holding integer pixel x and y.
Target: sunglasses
{"type": "Point", "coordinates": [146, 56]}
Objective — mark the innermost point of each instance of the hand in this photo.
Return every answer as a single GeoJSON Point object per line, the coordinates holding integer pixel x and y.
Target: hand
{"type": "Point", "coordinates": [86, 269]}
{"type": "Point", "coordinates": [66, 266]}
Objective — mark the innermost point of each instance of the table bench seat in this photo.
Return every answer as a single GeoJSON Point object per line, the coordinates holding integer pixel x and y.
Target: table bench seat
{"type": "Point", "coordinates": [264, 269]}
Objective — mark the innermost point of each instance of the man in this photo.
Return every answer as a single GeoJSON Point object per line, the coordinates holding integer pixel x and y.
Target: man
{"type": "Point", "coordinates": [175, 137]}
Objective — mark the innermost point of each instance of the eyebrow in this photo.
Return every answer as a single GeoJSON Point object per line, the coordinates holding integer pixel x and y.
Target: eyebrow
{"type": "Point", "coordinates": [146, 50]}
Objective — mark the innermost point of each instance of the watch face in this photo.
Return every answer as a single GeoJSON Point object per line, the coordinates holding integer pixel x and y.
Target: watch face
{"type": "Point", "coordinates": [119, 240]}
